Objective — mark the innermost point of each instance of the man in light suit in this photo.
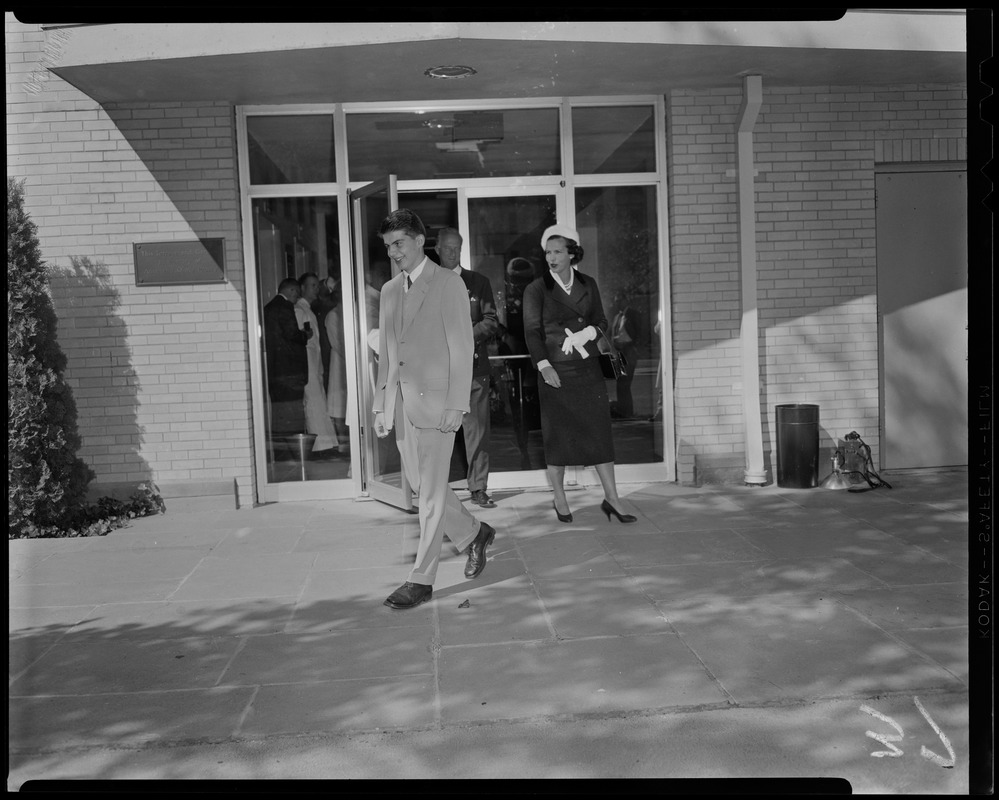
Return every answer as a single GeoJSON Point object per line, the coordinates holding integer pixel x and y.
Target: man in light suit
{"type": "Point", "coordinates": [424, 382]}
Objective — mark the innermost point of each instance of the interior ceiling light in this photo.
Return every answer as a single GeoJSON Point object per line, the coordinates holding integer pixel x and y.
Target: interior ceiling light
{"type": "Point", "coordinates": [439, 123]}
{"type": "Point", "coordinates": [448, 72]}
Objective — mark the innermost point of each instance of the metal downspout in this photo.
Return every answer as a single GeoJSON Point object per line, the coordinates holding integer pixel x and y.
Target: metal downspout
{"type": "Point", "coordinates": [749, 335]}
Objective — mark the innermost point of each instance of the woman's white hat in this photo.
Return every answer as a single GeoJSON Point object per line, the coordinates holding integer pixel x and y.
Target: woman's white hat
{"type": "Point", "coordinates": [559, 230]}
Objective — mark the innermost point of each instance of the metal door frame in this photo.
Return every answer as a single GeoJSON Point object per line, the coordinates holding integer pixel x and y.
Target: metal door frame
{"type": "Point", "coordinates": [371, 486]}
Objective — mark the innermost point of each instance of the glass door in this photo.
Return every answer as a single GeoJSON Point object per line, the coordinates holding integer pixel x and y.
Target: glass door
{"type": "Point", "coordinates": [502, 240]}
{"type": "Point", "coordinates": [301, 453]}
{"type": "Point", "coordinates": [618, 228]}
{"type": "Point", "coordinates": [383, 478]}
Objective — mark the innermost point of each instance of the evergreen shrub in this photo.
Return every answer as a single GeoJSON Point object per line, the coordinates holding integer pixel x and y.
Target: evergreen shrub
{"type": "Point", "coordinates": [47, 482]}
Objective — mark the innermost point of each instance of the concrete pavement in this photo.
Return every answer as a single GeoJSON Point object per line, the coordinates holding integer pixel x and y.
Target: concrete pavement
{"type": "Point", "coordinates": [732, 632]}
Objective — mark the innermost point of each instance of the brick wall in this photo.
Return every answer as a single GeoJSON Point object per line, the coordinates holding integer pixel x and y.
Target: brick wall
{"type": "Point", "coordinates": [160, 374]}
{"type": "Point", "coordinates": [815, 152]}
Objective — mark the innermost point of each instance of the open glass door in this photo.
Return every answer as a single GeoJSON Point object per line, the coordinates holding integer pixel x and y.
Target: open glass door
{"type": "Point", "coordinates": [383, 478]}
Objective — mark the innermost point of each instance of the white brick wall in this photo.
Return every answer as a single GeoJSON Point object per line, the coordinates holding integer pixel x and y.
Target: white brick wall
{"type": "Point", "coordinates": [160, 374]}
{"type": "Point", "coordinates": [815, 151]}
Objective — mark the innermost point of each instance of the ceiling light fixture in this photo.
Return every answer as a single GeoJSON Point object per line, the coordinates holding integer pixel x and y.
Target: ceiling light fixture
{"type": "Point", "coordinates": [449, 72]}
{"type": "Point", "coordinates": [438, 123]}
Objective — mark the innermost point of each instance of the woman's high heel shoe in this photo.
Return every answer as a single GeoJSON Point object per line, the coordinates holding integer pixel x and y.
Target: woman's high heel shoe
{"type": "Point", "coordinates": [608, 509]}
{"type": "Point", "coordinates": [562, 517]}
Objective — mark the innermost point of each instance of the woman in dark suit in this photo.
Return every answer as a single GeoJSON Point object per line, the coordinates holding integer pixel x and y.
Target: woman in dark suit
{"type": "Point", "coordinates": [563, 318]}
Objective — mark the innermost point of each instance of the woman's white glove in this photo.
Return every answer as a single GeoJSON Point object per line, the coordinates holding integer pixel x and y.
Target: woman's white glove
{"type": "Point", "coordinates": [578, 339]}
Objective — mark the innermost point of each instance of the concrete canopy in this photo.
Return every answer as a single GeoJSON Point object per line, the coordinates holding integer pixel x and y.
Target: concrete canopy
{"type": "Point", "coordinates": [359, 62]}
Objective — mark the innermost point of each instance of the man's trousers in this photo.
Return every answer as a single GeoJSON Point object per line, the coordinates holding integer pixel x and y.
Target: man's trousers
{"type": "Point", "coordinates": [426, 460]}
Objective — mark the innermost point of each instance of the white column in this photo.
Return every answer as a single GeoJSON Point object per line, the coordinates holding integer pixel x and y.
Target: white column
{"type": "Point", "coordinates": [755, 473]}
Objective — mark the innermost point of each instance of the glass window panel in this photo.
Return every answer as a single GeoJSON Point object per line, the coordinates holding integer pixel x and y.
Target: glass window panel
{"type": "Point", "coordinates": [504, 238]}
{"type": "Point", "coordinates": [618, 228]}
{"type": "Point", "coordinates": [437, 209]}
{"type": "Point", "coordinates": [293, 149]}
{"type": "Point", "coordinates": [613, 139]}
{"type": "Point", "coordinates": [454, 144]}
{"type": "Point", "coordinates": [295, 236]}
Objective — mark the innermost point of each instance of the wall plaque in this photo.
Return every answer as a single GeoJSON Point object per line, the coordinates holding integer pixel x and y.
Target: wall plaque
{"type": "Point", "coordinates": [171, 263]}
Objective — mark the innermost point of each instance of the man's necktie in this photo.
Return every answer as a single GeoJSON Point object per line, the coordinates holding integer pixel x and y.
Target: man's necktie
{"type": "Point", "coordinates": [409, 283]}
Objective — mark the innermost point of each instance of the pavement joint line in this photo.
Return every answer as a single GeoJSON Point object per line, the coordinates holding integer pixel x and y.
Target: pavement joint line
{"type": "Point", "coordinates": [239, 648]}
{"type": "Point", "coordinates": [901, 642]}
{"type": "Point", "coordinates": [789, 702]}
{"type": "Point", "coordinates": [435, 661]}
{"type": "Point", "coordinates": [247, 709]}
{"type": "Point", "coordinates": [550, 719]}
{"type": "Point", "coordinates": [224, 687]}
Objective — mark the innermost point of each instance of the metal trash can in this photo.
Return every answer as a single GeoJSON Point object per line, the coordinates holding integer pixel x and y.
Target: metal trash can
{"type": "Point", "coordinates": [798, 446]}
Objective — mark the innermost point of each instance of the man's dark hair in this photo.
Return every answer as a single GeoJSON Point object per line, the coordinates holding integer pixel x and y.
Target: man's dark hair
{"type": "Point", "coordinates": [403, 220]}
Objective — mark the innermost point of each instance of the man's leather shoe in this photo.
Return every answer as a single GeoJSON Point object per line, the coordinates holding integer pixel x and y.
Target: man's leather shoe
{"type": "Point", "coordinates": [409, 595]}
{"type": "Point", "coordinates": [480, 498]}
{"type": "Point", "coordinates": [477, 550]}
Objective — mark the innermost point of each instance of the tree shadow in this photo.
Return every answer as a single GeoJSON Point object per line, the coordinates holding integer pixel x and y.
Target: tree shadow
{"type": "Point", "coordinates": [648, 642]}
{"type": "Point", "coordinates": [185, 684]}
{"type": "Point", "coordinates": [105, 384]}
{"type": "Point", "coordinates": [200, 182]}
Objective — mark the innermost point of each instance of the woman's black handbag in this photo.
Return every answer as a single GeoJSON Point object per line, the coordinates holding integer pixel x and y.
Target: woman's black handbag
{"type": "Point", "coordinates": [613, 364]}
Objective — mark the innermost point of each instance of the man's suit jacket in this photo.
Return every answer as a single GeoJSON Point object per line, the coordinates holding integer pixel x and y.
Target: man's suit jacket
{"type": "Point", "coordinates": [425, 347]}
{"type": "Point", "coordinates": [485, 323]}
{"type": "Point", "coordinates": [548, 311]}
{"type": "Point", "coordinates": [287, 360]}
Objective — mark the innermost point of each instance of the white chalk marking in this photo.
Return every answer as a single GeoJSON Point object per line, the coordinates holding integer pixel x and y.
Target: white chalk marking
{"type": "Point", "coordinates": [940, 761]}
{"type": "Point", "coordinates": [884, 739]}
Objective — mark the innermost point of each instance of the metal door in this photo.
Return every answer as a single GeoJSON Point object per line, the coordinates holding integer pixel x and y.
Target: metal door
{"type": "Point", "coordinates": [922, 252]}
{"type": "Point", "coordinates": [382, 475]}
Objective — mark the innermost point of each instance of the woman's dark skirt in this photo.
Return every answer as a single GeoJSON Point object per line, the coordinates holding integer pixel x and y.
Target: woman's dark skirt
{"type": "Point", "coordinates": [575, 419]}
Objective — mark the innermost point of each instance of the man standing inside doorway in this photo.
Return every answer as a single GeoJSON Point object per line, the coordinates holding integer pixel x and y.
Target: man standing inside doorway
{"type": "Point", "coordinates": [424, 378]}
{"type": "Point", "coordinates": [287, 360]}
{"type": "Point", "coordinates": [475, 426]}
